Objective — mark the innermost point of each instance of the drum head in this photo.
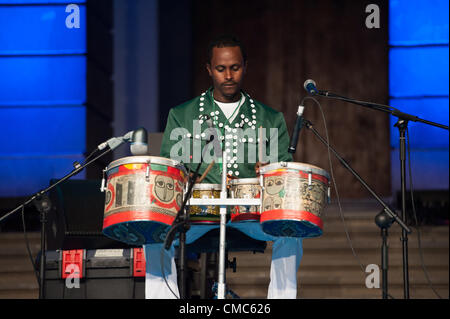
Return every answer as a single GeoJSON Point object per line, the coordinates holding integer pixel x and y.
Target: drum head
{"type": "Point", "coordinates": [243, 181]}
{"type": "Point", "coordinates": [145, 160]}
{"type": "Point", "coordinates": [307, 168]}
{"type": "Point", "coordinates": [207, 187]}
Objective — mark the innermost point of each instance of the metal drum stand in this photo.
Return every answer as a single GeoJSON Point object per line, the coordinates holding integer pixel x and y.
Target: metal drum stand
{"type": "Point", "coordinates": [223, 202]}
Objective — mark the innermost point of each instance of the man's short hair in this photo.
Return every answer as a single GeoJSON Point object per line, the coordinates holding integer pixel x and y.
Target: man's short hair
{"type": "Point", "coordinates": [226, 40]}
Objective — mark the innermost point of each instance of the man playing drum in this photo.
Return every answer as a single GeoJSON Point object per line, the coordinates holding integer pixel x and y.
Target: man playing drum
{"type": "Point", "coordinates": [237, 118]}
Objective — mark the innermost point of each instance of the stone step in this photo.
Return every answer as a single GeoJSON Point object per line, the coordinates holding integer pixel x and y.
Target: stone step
{"type": "Point", "coordinates": [372, 240]}
{"type": "Point", "coordinates": [364, 223]}
{"type": "Point", "coordinates": [305, 291]}
{"type": "Point", "coordinates": [11, 263]}
{"type": "Point", "coordinates": [431, 257]}
{"type": "Point", "coordinates": [16, 280]}
{"type": "Point", "coordinates": [13, 244]}
{"type": "Point", "coordinates": [343, 257]}
{"type": "Point", "coordinates": [344, 292]}
{"type": "Point", "coordinates": [20, 294]}
{"type": "Point", "coordinates": [342, 276]}
{"type": "Point", "coordinates": [361, 224]}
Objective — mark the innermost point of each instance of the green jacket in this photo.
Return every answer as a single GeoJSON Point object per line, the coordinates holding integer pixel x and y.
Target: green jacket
{"type": "Point", "coordinates": [187, 133]}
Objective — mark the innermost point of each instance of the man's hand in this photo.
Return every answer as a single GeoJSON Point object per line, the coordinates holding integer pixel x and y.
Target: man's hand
{"type": "Point", "coordinates": [201, 178]}
{"type": "Point", "coordinates": [258, 165]}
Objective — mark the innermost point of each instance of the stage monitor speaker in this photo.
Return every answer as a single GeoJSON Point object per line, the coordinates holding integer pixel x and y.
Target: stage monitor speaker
{"type": "Point", "coordinates": [76, 218]}
{"type": "Point", "coordinates": [105, 274]}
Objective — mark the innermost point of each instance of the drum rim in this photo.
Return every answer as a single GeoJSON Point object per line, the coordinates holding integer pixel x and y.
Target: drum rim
{"type": "Point", "coordinates": [207, 187]}
{"type": "Point", "coordinates": [143, 159]}
{"type": "Point", "coordinates": [294, 165]}
{"type": "Point", "coordinates": [244, 181]}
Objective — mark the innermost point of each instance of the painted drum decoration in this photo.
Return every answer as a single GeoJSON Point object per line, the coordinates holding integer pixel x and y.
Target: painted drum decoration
{"type": "Point", "coordinates": [244, 188]}
{"type": "Point", "coordinates": [143, 196]}
{"type": "Point", "coordinates": [205, 214]}
{"type": "Point", "coordinates": [294, 196]}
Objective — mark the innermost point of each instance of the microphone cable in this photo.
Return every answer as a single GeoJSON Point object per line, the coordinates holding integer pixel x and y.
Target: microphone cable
{"type": "Point", "coordinates": [27, 244]}
{"type": "Point", "coordinates": [425, 271]}
{"type": "Point", "coordinates": [91, 154]}
{"type": "Point", "coordinates": [334, 182]}
{"type": "Point", "coordinates": [161, 257]}
{"type": "Point", "coordinates": [161, 262]}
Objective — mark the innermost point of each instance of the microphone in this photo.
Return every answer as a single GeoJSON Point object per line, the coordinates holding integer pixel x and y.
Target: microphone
{"type": "Point", "coordinates": [115, 142]}
{"type": "Point", "coordinates": [140, 139]}
{"type": "Point", "coordinates": [296, 131]}
{"type": "Point", "coordinates": [310, 87]}
{"type": "Point", "coordinates": [139, 145]}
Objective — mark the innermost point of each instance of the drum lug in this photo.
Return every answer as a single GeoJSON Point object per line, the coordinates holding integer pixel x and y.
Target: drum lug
{"type": "Point", "coordinates": [261, 183]}
{"type": "Point", "coordinates": [309, 179]}
{"type": "Point", "coordinates": [147, 173]}
{"type": "Point", "coordinates": [102, 187]}
{"type": "Point", "coordinates": [329, 195]}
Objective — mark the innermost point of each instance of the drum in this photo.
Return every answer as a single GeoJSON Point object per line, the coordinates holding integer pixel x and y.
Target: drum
{"type": "Point", "coordinates": [294, 196]}
{"type": "Point", "coordinates": [143, 196]}
{"type": "Point", "coordinates": [205, 214]}
{"type": "Point", "coordinates": [244, 188]}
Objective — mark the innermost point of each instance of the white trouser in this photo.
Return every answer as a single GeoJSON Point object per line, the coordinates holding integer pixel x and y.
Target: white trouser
{"type": "Point", "coordinates": [286, 255]}
{"type": "Point", "coordinates": [155, 285]}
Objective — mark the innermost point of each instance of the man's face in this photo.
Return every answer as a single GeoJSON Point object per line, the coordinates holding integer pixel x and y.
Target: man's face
{"type": "Point", "coordinates": [227, 70]}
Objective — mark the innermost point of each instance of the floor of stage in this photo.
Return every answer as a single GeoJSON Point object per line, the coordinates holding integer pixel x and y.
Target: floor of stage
{"type": "Point", "coordinates": [328, 268]}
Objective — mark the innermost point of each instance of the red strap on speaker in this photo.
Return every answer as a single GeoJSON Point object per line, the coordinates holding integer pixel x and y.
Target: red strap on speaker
{"type": "Point", "coordinates": [72, 263]}
{"type": "Point", "coordinates": [138, 262]}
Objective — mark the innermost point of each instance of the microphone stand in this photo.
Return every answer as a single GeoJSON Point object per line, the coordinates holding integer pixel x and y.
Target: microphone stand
{"type": "Point", "coordinates": [181, 224]}
{"type": "Point", "coordinates": [380, 107]}
{"type": "Point", "coordinates": [384, 222]}
{"type": "Point", "coordinates": [43, 205]}
{"type": "Point", "coordinates": [402, 125]}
